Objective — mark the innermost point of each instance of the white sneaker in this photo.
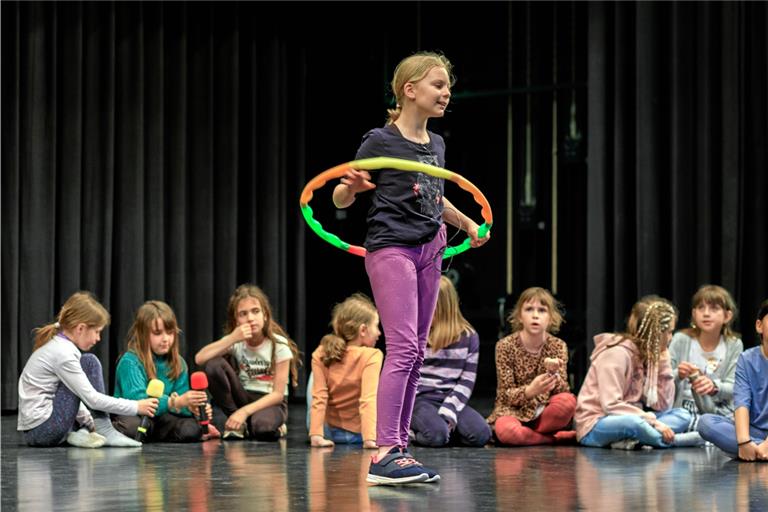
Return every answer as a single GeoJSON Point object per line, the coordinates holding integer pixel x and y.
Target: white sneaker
{"type": "Point", "coordinates": [84, 438]}
{"type": "Point", "coordinates": [624, 444]}
{"type": "Point", "coordinates": [235, 434]}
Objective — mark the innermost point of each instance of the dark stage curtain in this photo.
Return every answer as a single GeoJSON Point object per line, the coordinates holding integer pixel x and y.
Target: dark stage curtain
{"type": "Point", "coordinates": [149, 151]}
{"type": "Point", "coordinates": [678, 176]}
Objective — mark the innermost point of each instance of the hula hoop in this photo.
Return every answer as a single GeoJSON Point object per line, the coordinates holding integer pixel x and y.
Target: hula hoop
{"type": "Point", "coordinates": [371, 164]}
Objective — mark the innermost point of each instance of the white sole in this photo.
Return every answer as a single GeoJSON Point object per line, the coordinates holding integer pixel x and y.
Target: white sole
{"type": "Point", "coordinates": [383, 480]}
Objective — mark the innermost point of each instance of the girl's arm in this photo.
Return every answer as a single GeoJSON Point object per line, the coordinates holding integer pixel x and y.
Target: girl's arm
{"type": "Point", "coordinates": [222, 346]}
{"type": "Point", "coordinates": [319, 398]}
{"type": "Point", "coordinates": [69, 371]}
{"type": "Point", "coordinates": [747, 448]}
{"type": "Point", "coordinates": [368, 388]}
{"type": "Point", "coordinates": [236, 420]}
{"type": "Point", "coordinates": [725, 385]}
{"type": "Point", "coordinates": [562, 385]}
{"type": "Point", "coordinates": [132, 380]}
{"type": "Point", "coordinates": [351, 184]}
{"type": "Point", "coordinates": [665, 384]}
{"type": "Point", "coordinates": [458, 397]}
{"type": "Point", "coordinates": [508, 391]}
{"type": "Point", "coordinates": [455, 218]}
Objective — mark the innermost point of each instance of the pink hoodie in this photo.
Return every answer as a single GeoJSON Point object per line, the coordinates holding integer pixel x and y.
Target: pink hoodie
{"type": "Point", "coordinates": [614, 383]}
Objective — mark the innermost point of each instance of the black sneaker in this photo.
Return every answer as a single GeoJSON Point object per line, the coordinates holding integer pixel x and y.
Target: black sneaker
{"type": "Point", "coordinates": [432, 475]}
{"type": "Point", "coordinates": [395, 468]}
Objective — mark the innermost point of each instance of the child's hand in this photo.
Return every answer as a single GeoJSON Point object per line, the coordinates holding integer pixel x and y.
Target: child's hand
{"type": "Point", "coordinates": [209, 413]}
{"type": "Point", "coordinates": [474, 240]}
{"type": "Point", "coordinates": [320, 442]}
{"type": "Point", "coordinates": [357, 181]}
{"type": "Point", "coordinates": [685, 369]}
{"type": "Point", "coordinates": [703, 385]}
{"type": "Point", "coordinates": [749, 451]}
{"type": "Point", "coordinates": [240, 333]}
{"type": "Point", "coordinates": [542, 384]}
{"type": "Point", "coordinates": [235, 422]}
{"type": "Point", "coordinates": [193, 399]}
{"type": "Point", "coordinates": [667, 434]}
{"type": "Point", "coordinates": [762, 450]}
{"type": "Point", "coordinates": [370, 444]}
{"type": "Point", "coordinates": [147, 407]}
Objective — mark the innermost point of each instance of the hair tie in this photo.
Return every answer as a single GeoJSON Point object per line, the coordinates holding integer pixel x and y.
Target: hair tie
{"type": "Point", "coordinates": [56, 325]}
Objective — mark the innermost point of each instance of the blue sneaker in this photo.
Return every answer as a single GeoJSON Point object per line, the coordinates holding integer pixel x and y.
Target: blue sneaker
{"type": "Point", "coordinates": [432, 475]}
{"type": "Point", "coordinates": [396, 467]}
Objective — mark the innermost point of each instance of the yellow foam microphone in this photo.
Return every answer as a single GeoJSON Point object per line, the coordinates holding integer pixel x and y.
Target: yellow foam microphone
{"type": "Point", "coordinates": [155, 389]}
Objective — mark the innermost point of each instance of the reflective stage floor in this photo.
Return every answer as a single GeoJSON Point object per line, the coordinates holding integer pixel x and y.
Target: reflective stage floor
{"type": "Point", "coordinates": [288, 475]}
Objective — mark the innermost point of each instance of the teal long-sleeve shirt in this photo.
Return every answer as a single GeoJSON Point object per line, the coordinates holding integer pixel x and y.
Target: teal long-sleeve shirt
{"type": "Point", "coordinates": [132, 380]}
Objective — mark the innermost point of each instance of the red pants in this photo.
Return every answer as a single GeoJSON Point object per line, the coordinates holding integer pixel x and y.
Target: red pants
{"type": "Point", "coordinates": [556, 416]}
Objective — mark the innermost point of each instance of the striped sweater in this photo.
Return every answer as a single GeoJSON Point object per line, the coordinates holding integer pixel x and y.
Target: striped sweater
{"type": "Point", "coordinates": [448, 375]}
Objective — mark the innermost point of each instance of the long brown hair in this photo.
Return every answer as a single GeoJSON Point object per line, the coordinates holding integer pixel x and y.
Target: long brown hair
{"type": "Point", "coordinates": [346, 319]}
{"type": "Point", "coordinates": [271, 327]}
{"type": "Point", "coordinates": [545, 297]}
{"type": "Point", "coordinates": [138, 338]}
{"type": "Point", "coordinates": [448, 324]}
{"type": "Point", "coordinates": [80, 308]}
{"type": "Point", "coordinates": [714, 295]}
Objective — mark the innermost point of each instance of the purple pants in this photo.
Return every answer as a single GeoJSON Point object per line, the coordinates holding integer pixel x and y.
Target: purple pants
{"type": "Point", "coordinates": [405, 282]}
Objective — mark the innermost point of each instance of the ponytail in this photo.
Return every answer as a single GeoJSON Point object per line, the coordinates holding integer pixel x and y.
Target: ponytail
{"type": "Point", "coordinates": [45, 334]}
{"type": "Point", "coordinates": [334, 348]}
{"type": "Point", "coordinates": [393, 114]}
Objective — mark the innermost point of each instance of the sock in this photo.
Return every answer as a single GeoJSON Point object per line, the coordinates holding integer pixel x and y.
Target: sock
{"type": "Point", "coordinates": [113, 437]}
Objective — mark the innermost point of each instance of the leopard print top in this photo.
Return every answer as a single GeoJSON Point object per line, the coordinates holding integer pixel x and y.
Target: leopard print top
{"type": "Point", "coordinates": [516, 368]}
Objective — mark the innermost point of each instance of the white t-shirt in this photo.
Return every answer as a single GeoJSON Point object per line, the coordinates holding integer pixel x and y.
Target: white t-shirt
{"type": "Point", "coordinates": [252, 364]}
{"type": "Point", "coordinates": [709, 363]}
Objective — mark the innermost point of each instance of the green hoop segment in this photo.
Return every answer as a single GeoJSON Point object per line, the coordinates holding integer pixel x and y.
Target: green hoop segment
{"type": "Point", "coordinates": [372, 164]}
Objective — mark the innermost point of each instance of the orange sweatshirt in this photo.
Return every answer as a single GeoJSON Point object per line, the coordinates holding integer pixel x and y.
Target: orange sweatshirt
{"type": "Point", "coordinates": [344, 393]}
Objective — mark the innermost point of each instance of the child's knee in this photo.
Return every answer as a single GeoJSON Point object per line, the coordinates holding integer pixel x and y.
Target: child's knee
{"type": "Point", "coordinates": [89, 362]}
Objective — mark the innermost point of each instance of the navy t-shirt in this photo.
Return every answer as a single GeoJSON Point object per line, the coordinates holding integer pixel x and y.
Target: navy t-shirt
{"type": "Point", "coordinates": [407, 207]}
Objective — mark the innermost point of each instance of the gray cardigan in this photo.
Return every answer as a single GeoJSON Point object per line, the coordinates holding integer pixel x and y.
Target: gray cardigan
{"type": "Point", "coordinates": [720, 403]}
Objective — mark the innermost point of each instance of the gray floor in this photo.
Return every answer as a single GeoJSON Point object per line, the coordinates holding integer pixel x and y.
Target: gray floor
{"type": "Point", "coordinates": [287, 476]}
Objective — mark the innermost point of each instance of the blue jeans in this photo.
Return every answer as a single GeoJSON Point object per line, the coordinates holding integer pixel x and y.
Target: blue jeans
{"type": "Point", "coordinates": [721, 432]}
{"type": "Point", "coordinates": [337, 435]}
{"type": "Point", "coordinates": [614, 428]}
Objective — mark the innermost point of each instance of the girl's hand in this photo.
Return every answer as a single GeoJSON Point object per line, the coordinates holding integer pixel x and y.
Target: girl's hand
{"type": "Point", "coordinates": [762, 450]}
{"type": "Point", "coordinates": [236, 421]}
{"type": "Point", "coordinates": [357, 181]}
{"type": "Point", "coordinates": [749, 451]}
{"type": "Point", "coordinates": [240, 333]}
{"type": "Point", "coordinates": [209, 413]}
{"type": "Point", "coordinates": [320, 442]}
{"type": "Point", "coordinates": [370, 444]}
{"type": "Point", "coordinates": [192, 400]}
{"type": "Point", "coordinates": [703, 385]}
{"type": "Point", "coordinates": [685, 369]}
{"type": "Point", "coordinates": [147, 407]}
{"type": "Point", "coordinates": [213, 433]}
{"type": "Point", "coordinates": [542, 384]}
{"type": "Point", "coordinates": [667, 434]}
{"type": "Point", "coordinates": [474, 240]}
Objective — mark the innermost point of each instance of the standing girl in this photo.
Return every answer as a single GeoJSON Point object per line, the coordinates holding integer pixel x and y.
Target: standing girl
{"type": "Point", "coordinates": [248, 369]}
{"type": "Point", "coordinates": [746, 435]}
{"type": "Point", "coordinates": [704, 359]}
{"type": "Point", "coordinates": [405, 242]}
{"type": "Point", "coordinates": [441, 413]}
{"type": "Point", "coordinates": [153, 353]}
{"type": "Point", "coordinates": [59, 384]}
{"type": "Point", "coordinates": [533, 400]}
{"type": "Point", "coordinates": [345, 375]}
{"type": "Point", "coordinates": [629, 373]}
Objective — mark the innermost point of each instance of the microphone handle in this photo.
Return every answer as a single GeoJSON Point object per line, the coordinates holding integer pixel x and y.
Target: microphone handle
{"type": "Point", "coordinates": [141, 431]}
{"type": "Point", "coordinates": [203, 419]}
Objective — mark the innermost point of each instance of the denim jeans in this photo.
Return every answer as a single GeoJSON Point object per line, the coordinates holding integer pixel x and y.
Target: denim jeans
{"type": "Point", "coordinates": [614, 428]}
{"type": "Point", "coordinates": [721, 432]}
{"type": "Point", "coordinates": [337, 435]}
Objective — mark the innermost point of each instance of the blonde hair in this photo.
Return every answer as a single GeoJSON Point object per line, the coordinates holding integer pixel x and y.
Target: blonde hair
{"type": "Point", "coordinates": [346, 319]}
{"type": "Point", "coordinates": [270, 328]}
{"type": "Point", "coordinates": [80, 308]}
{"type": "Point", "coordinates": [714, 295]}
{"type": "Point", "coordinates": [650, 318]}
{"type": "Point", "coordinates": [448, 324]}
{"type": "Point", "coordinates": [138, 338]}
{"type": "Point", "coordinates": [412, 69]}
{"type": "Point", "coordinates": [545, 297]}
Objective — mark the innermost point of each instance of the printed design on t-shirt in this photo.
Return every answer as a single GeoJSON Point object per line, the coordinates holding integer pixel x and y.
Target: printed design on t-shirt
{"type": "Point", "coordinates": [255, 369]}
{"type": "Point", "coordinates": [427, 189]}
{"type": "Point", "coordinates": [713, 364]}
